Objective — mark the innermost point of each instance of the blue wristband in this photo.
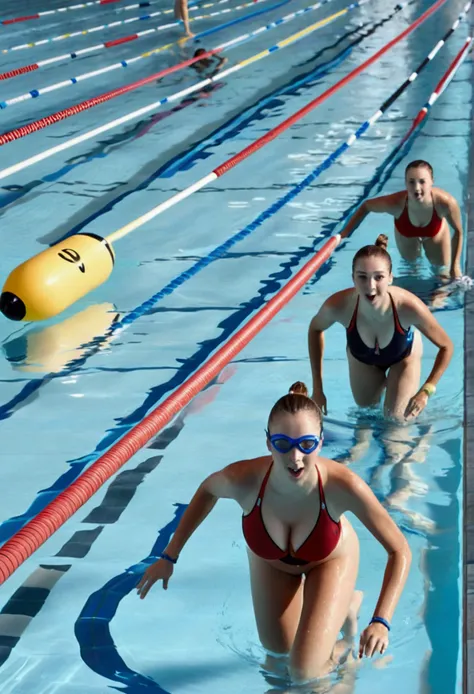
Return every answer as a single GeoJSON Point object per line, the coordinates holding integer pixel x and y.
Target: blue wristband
{"type": "Point", "coordinates": [168, 558]}
{"type": "Point", "coordinates": [381, 620]}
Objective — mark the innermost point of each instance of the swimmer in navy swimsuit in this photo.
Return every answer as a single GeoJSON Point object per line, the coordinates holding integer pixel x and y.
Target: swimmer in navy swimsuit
{"type": "Point", "coordinates": [398, 348]}
{"type": "Point", "coordinates": [421, 214]}
{"type": "Point", "coordinates": [303, 552]}
{"type": "Point", "coordinates": [384, 347]}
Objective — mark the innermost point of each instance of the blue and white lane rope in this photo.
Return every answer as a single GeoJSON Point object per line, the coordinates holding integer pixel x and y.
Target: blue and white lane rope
{"type": "Point", "coordinates": [177, 95]}
{"type": "Point", "coordinates": [217, 253]}
{"type": "Point", "coordinates": [32, 67]}
{"type": "Point", "coordinates": [81, 6]}
{"type": "Point", "coordinates": [192, 7]}
{"type": "Point", "coordinates": [58, 10]}
{"type": "Point", "coordinates": [221, 250]}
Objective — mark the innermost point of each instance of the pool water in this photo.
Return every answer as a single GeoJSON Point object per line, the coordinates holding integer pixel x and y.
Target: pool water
{"type": "Point", "coordinates": [70, 619]}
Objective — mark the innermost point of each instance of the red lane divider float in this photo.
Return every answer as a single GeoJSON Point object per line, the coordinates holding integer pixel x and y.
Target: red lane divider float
{"type": "Point", "coordinates": [440, 87]}
{"type": "Point", "coordinates": [27, 540]}
{"type": "Point", "coordinates": [73, 55]}
{"type": "Point", "coordinates": [45, 122]}
{"type": "Point", "coordinates": [38, 15]}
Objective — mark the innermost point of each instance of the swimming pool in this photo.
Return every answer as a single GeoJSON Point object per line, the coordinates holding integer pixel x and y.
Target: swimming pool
{"type": "Point", "coordinates": [70, 620]}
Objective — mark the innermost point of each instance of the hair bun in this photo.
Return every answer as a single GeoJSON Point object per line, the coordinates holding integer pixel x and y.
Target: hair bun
{"type": "Point", "coordinates": [382, 241]}
{"type": "Point", "coordinates": [298, 388]}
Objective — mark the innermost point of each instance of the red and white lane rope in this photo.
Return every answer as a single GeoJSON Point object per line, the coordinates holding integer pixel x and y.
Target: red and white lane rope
{"type": "Point", "coordinates": [34, 126]}
{"type": "Point", "coordinates": [109, 25]}
{"type": "Point", "coordinates": [59, 10]}
{"type": "Point", "coordinates": [109, 44]}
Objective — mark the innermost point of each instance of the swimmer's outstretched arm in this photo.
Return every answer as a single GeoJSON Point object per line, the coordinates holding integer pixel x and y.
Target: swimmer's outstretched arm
{"type": "Point", "coordinates": [386, 204]}
{"type": "Point", "coordinates": [357, 497]}
{"type": "Point", "coordinates": [454, 219]}
{"type": "Point", "coordinates": [228, 483]}
{"type": "Point", "coordinates": [419, 315]}
{"type": "Point", "coordinates": [326, 316]}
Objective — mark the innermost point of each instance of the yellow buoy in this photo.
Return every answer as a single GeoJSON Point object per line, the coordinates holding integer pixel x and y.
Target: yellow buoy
{"type": "Point", "coordinates": [51, 281]}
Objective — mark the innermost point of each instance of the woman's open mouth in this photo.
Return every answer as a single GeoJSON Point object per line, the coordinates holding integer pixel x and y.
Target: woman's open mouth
{"type": "Point", "coordinates": [296, 473]}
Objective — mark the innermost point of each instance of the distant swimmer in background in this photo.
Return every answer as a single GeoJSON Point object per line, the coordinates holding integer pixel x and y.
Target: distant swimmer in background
{"type": "Point", "coordinates": [209, 66]}
{"type": "Point", "coordinates": [181, 12]}
{"type": "Point", "coordinates": [421, 213]}
{"type": "Point", "coordinates": [384, 346]}
{"type": "Point", "coordinates": [206, 68]}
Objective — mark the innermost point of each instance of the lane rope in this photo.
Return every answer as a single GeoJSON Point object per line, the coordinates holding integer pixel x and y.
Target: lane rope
{"type": "Point", "coordinates": [59, 10]}
{"type": "Point", "coordinates": [55, 514]}
{"type": "Point", "coordinates": [262, 141]}
{"type": "Point", "coordinates": [95, 101]}
{"type": "Point", "coordinates": [224, 248]}
{"type": "Point", "coordinates": [109, 25]}
{"type": "Point", "coordinates": [125, 39]}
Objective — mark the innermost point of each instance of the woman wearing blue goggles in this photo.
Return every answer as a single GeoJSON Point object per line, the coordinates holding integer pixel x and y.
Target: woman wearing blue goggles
{"type": "Point", "coordinates": [283, 444]}
{"type": "Point", "coordinates": [303, 552]}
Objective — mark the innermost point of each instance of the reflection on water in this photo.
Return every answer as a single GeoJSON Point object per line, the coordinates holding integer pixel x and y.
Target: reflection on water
{"type": "Point", "coordinates": [400, 454]}
{"type": "Point", "coordinates": [437, 294]}
{"type": "Point", "coordinates": [51, 348]}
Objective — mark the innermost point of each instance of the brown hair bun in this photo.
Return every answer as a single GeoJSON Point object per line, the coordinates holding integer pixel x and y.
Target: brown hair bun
{"type": "Point", "coordinates": [382, 241]}
{"type": "Point", "coordinates": [298, 388]}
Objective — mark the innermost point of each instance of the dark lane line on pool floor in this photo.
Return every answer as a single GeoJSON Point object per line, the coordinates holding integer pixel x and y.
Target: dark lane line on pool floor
{"type": "Point", "coordinates": [27, 600]}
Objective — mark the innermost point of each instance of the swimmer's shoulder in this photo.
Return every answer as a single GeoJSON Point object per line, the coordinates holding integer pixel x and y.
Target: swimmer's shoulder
{"type": "Point", "coordinates": [342, 302]}
{"type": "Point", "coordinates": [239, 479]}
{"type": "Point", "coordinates": [337, 480]}
{"type": "Point", "coordinates": [443, 201]}
{"type": "Point", "coordinates": [409, 306]}
{"type": "Point", "coordinates": [337, 477]}
{"type": "Point", "coordinates": [393, 203]}
{"type": "Point", "coordinates": [334, 310]}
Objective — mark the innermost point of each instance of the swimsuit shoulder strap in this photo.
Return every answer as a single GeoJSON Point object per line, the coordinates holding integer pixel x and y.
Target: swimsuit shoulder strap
{"type": "Point", "coordinates": [435, 211]}
{"type": "Point", "coordinates": [321, 490]}
{"type": "Point", "coordinates": [396, 320]}
{"type": "Point", "coordinates": [354, 317]}
{"type": "Point", "coordinates": [263, 486]}
{"type": "Point", "coordinates": [405, 207]}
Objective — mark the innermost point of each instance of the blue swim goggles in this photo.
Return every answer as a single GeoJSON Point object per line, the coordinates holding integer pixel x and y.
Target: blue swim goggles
{"type": "Point", "coordinates": [283, 444]}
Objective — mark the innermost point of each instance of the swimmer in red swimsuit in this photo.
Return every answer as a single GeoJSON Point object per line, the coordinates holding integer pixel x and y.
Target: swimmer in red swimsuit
{"type": "Point", "coordinates": [384, 346]}
{"type": "Point", "coordinates": [422, 214]}
{"type": "Point", "coordinates": [303, 552]}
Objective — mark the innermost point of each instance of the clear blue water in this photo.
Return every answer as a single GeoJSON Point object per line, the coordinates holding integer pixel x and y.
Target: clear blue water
{"type": "Point", "coordinates": [78, 626]}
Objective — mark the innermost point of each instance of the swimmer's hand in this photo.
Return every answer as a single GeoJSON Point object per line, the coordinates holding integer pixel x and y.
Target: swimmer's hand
{"type": "Point", "coordinates": [374, 639]}
{"type": "Point", "coordinates": [320, 400]}
{"type": "Point", "coordinates": [416, 405]}
{"type": "Point", "coordinates": [456, 272]}
{"type": "Point", "coordinates": [444, 277]}
{"type": "Point", "coordinates": [161, 570]}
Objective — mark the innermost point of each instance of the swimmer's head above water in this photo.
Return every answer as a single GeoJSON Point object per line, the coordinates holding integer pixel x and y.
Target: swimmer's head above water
{"type": "Point", "coordinates": [372, 271]}
{"type": "Point", "coordinates": [205, 62]}
{"type": "Point", "coordinates": [294, 432]}
{"type": "Point", "coordinates": [419, 181]}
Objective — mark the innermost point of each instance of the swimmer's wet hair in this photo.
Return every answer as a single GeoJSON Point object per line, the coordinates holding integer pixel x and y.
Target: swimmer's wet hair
{"type": "Point", "coordinates": [417, 163]}
{"type": "Point", "coordinates": [296, 400]}
{"type": "Point", "coordinates": [377, 250]}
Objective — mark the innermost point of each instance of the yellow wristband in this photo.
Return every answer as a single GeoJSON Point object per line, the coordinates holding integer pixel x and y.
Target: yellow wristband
{"type": "Point", "coordinates": [429, 389]}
